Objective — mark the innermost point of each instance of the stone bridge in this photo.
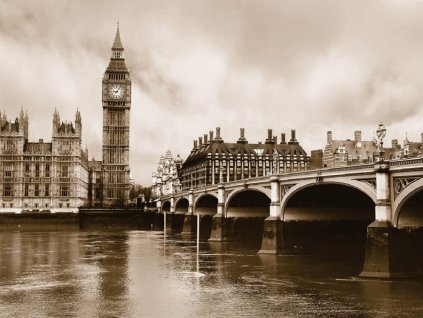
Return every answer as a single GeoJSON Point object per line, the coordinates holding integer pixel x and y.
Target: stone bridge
{"type": "Point", "coordinates": [293, 212]}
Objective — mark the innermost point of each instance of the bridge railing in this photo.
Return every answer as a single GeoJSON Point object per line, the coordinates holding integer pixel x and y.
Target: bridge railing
{"type": "Point", "coordinates": [311, 173]}
{"type": "Point", "coordinates": [405, 162]}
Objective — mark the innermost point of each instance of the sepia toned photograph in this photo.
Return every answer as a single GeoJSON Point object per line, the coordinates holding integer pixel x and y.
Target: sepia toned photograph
{"type": "Point", "coordinates": [211, 158]}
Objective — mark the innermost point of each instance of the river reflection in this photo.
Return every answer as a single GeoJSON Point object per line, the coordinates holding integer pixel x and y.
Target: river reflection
{"type": "Point", "coordinates": [138, 274]}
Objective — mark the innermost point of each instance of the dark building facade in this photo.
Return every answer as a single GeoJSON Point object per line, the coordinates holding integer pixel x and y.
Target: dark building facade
{"type": "Point", "coordinates": [212, 160]}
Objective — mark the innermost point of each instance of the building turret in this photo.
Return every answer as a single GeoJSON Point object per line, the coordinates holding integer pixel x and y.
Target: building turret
{"type": "Point", "coordinates": [78, 123]}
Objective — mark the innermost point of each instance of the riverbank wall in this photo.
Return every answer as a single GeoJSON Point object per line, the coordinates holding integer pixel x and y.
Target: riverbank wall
{"type": "Point", "coordinates": [98, 219]}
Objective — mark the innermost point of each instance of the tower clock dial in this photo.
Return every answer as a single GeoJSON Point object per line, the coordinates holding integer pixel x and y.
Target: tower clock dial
{"type": "Point", "coordinates": [116, 91]}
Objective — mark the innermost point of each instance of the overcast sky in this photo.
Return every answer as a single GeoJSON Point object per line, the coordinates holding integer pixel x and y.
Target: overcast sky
{"type": "Point", "coordinates": [309, 65]}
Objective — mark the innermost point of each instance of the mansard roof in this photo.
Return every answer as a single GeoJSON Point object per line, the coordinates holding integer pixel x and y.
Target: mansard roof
{"type": "Point", "coordinates": [223, 150]}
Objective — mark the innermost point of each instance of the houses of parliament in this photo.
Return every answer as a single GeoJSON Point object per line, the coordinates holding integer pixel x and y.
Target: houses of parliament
{"type": "Point", "coordinates": [57, 176]}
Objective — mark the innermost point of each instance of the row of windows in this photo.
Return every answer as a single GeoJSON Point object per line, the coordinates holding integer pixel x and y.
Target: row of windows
{"type": "Point", "coordinates": [37, 191]}
{"type": "Point", "coordinates": [37, 205]}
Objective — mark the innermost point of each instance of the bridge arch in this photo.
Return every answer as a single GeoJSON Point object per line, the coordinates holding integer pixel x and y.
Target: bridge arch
{"type": "Point", "coordinates": [408, 205]}
{"type": "Point", "coordinates": [357, 188]}
{"type": "Point", "coordinates": [248, 202]}
{"type": "Point", "coordinates": [181, 205]}
{"type": "Point", "coordinates": [166, 206]}
{"type": "Point", "coordinates": [206, 204]}
{"type": "Point", "coordinates": [352, 184]}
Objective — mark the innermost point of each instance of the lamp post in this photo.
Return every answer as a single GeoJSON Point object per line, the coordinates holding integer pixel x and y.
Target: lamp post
{"type": "Point", "coordinates": [381, 133]}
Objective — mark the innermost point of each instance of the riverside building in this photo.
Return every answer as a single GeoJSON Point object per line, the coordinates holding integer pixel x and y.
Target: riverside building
{"type": "Point", "coordinates": [56, 176]}
{"type": "Point", "coordinates": [37, 176]}
{"type": "Point", "coordinates": [212, 160]}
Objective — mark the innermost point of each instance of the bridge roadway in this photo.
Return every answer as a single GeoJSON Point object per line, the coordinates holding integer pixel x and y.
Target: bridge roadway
{"type": "Point", "coordinates": [294, 211]}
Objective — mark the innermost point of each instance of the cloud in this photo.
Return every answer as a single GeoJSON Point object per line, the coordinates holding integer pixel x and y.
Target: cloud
{"type": "Point", "coordinates": [309, 66]}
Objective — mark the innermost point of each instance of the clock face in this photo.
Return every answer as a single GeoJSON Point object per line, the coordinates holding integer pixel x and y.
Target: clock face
{"type": "Point", "coordinates": [116, 91]}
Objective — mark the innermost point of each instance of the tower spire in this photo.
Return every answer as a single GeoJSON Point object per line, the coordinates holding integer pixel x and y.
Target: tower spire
{"type": "Point", "coordinates": [117, 43]}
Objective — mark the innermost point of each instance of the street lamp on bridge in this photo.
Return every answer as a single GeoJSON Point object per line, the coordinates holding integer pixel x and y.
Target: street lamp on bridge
{"type": "Point", "coordinates": [381, 133]}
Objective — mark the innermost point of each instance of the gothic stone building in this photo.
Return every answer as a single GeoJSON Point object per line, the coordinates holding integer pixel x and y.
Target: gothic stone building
{"type": "Point", "coordinates": [212, 160]}
{"type": "Point", "coordinates": [166, 179]}
{"type": "Point", "coordinates": [56, 176]}
{"type": "Point", "coordinates": [36, 176]}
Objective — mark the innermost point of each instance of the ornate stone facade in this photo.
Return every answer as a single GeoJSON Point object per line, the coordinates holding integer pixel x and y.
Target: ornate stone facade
{"type": "Point", "coordinates": [166, 180]}
{"type": "Point", "coordinates": [56, 176]}
{"type": "Point", "coordinates": [116, 108]}
{"type": "Point", "coordinates": [36, 176]}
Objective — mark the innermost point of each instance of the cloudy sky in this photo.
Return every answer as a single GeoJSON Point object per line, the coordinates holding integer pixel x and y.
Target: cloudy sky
{"type": "Point", "coordinates": [195, 65]}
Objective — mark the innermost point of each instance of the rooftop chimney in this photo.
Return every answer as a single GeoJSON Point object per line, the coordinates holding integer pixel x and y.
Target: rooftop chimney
{"type": "Point", "coordinates": [283, 138]}
{"type": "Point", "coordinates": [211, 135]}
{"type": "Point", "coordinates": [357, 135]}
{"type": "Point", "coordinates": [200, 141]}
{"type": "Point", "coordinates": [293, 140]}
{"type": "Point", "coordinates": [205, 139]}
{"type": "Point", "coordinates": [242, 139]}
{"type": "Point", "coordinates": [329, 138]}
{"type": "Point", "coordinates": [270, 139]}
{"type": "Point", "coordinates": [276, 139]}
{"type": "Point", "coordinates": [195, 144]}
{"type": "Point", "coordinates": [218, 138]}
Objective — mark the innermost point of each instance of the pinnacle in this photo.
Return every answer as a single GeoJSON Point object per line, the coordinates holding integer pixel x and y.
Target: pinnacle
{"type": "Point", "coordinates": [117, 44]}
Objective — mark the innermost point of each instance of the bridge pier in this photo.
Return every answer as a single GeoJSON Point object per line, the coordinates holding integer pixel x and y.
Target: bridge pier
{"type": "Point", "coordinates": [385, 243]}
{"type": "Point", "coordinates": [272, 236]}
{"type": "Point", "coordinates": [272, 233]}
{"type": "Point", "coordinates": [219, 229]}
{"type": "Point", "coordinates": [189, 219]}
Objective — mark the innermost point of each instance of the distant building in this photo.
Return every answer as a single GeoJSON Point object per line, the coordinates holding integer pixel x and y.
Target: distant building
{"type": "Point", "coordinates": [212, 160]}
{"type": "Point", "coordinates": [38, 176]}
{"type": "Point", "coordinates": [166, 179]}
{"type": "Point", "coordinates": [348, 152]}
{"type": "Point", "coordinates": [412, 148]}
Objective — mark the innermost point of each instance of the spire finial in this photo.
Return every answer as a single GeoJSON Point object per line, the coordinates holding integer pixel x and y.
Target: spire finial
{"type": "Point", "coordinates": [117, 44]}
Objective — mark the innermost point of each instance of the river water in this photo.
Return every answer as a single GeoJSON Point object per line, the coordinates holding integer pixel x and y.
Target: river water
{"type": "Point", "coordinates": [143, 274]}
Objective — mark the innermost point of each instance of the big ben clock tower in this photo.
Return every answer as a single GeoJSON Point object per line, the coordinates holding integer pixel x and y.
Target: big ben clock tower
{"type": "Point", "coordinates": [116, 107]}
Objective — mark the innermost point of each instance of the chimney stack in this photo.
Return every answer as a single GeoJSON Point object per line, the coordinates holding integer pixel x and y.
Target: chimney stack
{"type": "Point", "coordinates": [276, 139]}
{"type": "Point", "coordinates": [357, 135]}
{"type": "Point", "coordinates": [283, 141]}
{"type": "Point", "coordinates": [329, 138]}
{"type": "Point", "coordinates": [200, 141]}
{"type": "Point", "coordinates": [195, 143]}
{"type": "Point", "coordinates": [205, 139]}
{"type": "Point", "coordinates": [270, 139]}
{"type": "Point", "coordinates": [211, 135]}
{"type": "Point", "coordinates": [293, 140]}
{"type": "Point", "coordinates": [218, 138]}
{"type": "Point", "coordinates": [242, 139]}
